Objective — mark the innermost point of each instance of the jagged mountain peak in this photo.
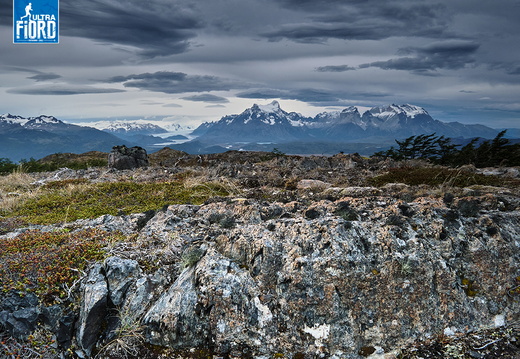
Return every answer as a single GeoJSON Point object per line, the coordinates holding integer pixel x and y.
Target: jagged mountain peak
{"type": "Point", "coordinates": [269, 114]}
{"type": "Point", "coordinates": [43, 119]}
{"type": "Point", "coordinates": [273, 107]}
{"type": "Point", "coordinates": [350, 109]}
{"type": "Point", "coordinates": [13, 119]}
{"type": "Point", "coordinates": [9, 116]}
{"type": "Point", "coordinates": [385, 112]}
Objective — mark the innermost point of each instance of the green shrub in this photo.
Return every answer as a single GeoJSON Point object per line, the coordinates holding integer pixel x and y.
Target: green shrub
{"type": "Point", "coordinates": [6, 166]}
{"type": "Point", "coordinates": [77, 199]}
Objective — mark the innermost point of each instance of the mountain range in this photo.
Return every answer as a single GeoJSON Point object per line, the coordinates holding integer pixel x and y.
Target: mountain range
{"type": "Point", "coordinates": [271, 123]}
{"type": "Point", "coordinates": [37, 137]}
{"type": "Point", "coordinates": [260, 127]}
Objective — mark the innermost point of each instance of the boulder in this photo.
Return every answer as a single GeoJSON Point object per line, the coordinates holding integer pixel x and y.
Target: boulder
{"type": "Point", "coordinates": [120, 274]}
{"type": "Point", "coordinates": [19, 314]}
{"type": "Point", "coordinates": [93, 309]}
{"type": "Point", "coordinates": [124, 158]}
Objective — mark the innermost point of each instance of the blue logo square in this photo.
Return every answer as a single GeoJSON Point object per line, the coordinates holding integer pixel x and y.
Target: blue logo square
{"type": "Point", "coordinates": [35, 21]}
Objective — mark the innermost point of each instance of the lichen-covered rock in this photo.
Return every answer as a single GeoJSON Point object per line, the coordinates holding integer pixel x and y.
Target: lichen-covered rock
{"type": "Point", "coordinates": [364, 274]}
{"type": "Point", "coordinates": [172, 320]}
{"type": "Point", "coordinates": [313, 184]}
{"type": "Point", "coordinates": [333, 284]}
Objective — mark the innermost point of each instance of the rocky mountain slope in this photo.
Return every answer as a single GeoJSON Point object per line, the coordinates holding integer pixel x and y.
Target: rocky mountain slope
{"type": "Point", "coordinates": [307, 257]}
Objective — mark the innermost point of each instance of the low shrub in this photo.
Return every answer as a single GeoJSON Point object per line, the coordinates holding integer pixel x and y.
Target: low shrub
{"type": "Point", "coordinates": [191, 256]}
{"type": "Point", "coordinates": [439, 176]}
{"type": "Point", "coordinates": [47, 263]}
{"type": "Point", "coordinates": [74, 199]}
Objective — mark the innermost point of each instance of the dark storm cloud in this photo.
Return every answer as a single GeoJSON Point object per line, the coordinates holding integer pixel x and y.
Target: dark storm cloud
{"type": "Point", "coordinates": [317, 97]}
{"type": "Point", "coordinates": [508, 68]}
{"type": "Point", "coordinates": [306, 95]}
{"type": "Point", "coordinates": [44, 77]}
{"type": "Point", "coordinates": [176, 82]}
{"type": "Point", "coordinates": [265, 94]}
{"type": "Point", "coordinates": [153, 27]}
{"type": "Point", "coordinates": [38, 75]}
{"type": "Point", "coordinates": [362, 20]}
{"type": "Point", "coordinates": [514, 70]}
{"type": "Point", "coordinates": [332, 68]}
{"type": "Point", "coordinates": [59, 90]}
{"type": "Point", "coordinates": [311, 4]}
{"type": "Point", "coordinates": [206, 98]}
{"type": "Point", "coordinates": [451, 55]}
{"type": "Point", "coordinates": [160, 76]}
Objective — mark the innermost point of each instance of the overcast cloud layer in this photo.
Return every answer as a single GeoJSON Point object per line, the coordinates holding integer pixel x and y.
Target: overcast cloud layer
{"type": "Point", "coordinates": [192, 61]}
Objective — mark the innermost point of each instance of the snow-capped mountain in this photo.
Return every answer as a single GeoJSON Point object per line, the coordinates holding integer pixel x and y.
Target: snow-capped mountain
{"type": "Point", "coordinates": [42, 122]}
{"type": "Point", "coordinates": [36, 137]}
{"type": "Point", "coordinates": [259, 123]}
{"type": "Point", "coordinates": [29, 122]}
{"type": "Point", "coordinates": [175, 127]}
{"type": "Point", "coordinates": [133, 128]}
{"type": "Point", "coordinates": [145, 133]}
{"type": "Point", "coordinates": [269, 123]}
{"type": "Point", "coordinates": [8, 119]}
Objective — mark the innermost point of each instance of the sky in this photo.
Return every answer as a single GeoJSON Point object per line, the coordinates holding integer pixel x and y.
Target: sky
{"type": "Point", "coordinates": [189, 61]}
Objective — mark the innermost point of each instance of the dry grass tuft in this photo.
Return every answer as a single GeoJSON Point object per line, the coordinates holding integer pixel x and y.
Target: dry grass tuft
{"type": "Point", "coordinates": [15, 189]}
{"type": "Point", "coordinates": [213, 186]}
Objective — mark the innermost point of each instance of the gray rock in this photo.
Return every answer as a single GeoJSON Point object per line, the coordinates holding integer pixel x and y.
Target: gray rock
{"type": "Point", "coordinates": [20, 314]}
{"type": "Point", "coordinates": [65, 331]}
{"type": "Point", "coordinates": [124, 158]}
{"type": "Point", "coordinates": [20, 323]}
{"type": "Point", "coordinates": [326, 284]}
{"type": "Point", "coordinates": [313, 184]}
{"type": "Point", "coordinates": [172, 320]}
{"type": "Point", "coordinates": [213, 303]}
{"type": "Point", "coordinates": [326, 278]}
{"type": "Point", "coordinates": [120, 274]}
{"type": "Point", "coordinates": [93, 309]}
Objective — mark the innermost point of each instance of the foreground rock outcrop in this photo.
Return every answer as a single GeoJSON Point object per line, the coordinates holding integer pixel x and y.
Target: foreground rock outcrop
{"type": "Point", "coordinates": [340, 272]}
{"type": "Point", "coordinates": [359, 275]}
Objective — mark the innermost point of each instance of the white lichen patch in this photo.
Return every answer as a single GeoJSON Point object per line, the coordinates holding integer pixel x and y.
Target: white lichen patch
{"type": "Point", "coordinates": [264, 313]}
{"type": "Point", "coordinates": [319, 332]}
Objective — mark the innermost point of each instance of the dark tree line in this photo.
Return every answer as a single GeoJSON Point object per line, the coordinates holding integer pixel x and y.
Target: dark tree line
{"type": "Point", "coordinates": [7, 166]}
{"type": "Point", "coordinates": [441, 150]}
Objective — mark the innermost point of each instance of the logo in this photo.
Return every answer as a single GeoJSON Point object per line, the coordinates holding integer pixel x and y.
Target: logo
{"type": "Point", "coordinates": [35, 21]}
